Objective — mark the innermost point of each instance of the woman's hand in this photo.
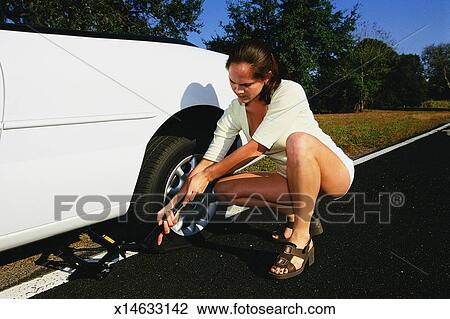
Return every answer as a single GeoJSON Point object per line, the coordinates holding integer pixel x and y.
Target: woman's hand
{"type": "Point", "coordinates": [194, 185]}
{"type": "Point", "coordinates": [166, 218]}
{"type": "Point", "coordinates": [197, 185]}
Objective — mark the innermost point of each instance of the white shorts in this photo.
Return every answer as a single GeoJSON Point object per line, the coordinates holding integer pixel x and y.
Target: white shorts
{"type": "Point", "coordinates": [348, 162]}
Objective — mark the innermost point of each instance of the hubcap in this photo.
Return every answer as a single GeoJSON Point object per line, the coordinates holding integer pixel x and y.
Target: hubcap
{"type": "Point", "coordinates": [192, 223]}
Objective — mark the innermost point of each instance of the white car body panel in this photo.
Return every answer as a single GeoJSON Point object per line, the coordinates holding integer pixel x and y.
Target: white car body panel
{"type": "Point", "coordinates": [2, 101]}
{"type": "Point", "coordinates": [78, 115]}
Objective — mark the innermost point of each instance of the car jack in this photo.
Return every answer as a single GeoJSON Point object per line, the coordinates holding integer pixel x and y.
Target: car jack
{"type": "Point", "coordinates": [84, 267]}
{"type": "Point", "coordinates": [99, 268]}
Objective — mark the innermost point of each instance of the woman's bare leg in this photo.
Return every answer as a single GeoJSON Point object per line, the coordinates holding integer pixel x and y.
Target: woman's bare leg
{"type": "Point", "coordinates": [311, 166]}
{"type": "Point", "coordinates": [262, 189]}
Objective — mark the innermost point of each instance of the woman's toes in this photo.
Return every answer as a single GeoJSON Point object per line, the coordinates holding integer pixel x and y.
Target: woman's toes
{"type": "Point", "coordinates": [287, 233]}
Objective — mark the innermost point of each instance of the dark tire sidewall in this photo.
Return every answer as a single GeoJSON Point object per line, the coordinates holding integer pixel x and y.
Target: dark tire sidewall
{"type": "Point", "coordinates": [162, 156]}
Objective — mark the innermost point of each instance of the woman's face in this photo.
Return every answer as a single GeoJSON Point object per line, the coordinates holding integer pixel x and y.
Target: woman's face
{"type": "Point", "coordinates": [242, 82]}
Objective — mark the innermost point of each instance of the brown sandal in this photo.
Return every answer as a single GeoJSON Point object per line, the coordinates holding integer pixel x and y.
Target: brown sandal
{"type": "Point", "coordinates": [284, 260]}
{"type": "Point", "coordinates": [315, 228]}
{"type": "Point", "coordinates": [281, 238]}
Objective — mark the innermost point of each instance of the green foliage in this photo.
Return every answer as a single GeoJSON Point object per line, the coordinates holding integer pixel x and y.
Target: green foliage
{"type": "Point", "coordinates": [363, 73]}
{"type": "Point", "coordinates": [174, 18]}
{"type": "Point", "coordinates": [371, 61]}
{"type": "Point", "coordinates": [432, 104]}
{"type": "Point", "coordinates": [404, 85]}
{"type": "Point", "coordinates": [307, 37]}
{"type": "Point", "coordinates": [436, 59]}
{"type": "Point", "coordinates": [248, 19]}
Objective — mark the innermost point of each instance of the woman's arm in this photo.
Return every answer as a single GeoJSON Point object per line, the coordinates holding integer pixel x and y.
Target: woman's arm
{"type": "Point", "coordinates": [235, 160]}
{"type": "Point", "coordinates": [206, 170]}
{"type": "Point", "coordinates": [200, 167]}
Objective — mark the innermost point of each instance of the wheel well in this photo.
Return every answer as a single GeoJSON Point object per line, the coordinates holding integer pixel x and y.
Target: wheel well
{"type": "Point", "coordinates": [195, 123]}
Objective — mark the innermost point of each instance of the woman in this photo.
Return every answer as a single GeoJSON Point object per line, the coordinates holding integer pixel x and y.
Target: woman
{"type": "Point", "coordinates": [276, 118]}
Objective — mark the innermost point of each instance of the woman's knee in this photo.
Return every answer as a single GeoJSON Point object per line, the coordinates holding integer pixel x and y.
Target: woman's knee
{"type": "Point", "coordinates": [299, 143]}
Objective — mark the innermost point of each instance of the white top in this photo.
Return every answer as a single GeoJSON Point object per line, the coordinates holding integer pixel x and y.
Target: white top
{"type": "Point", "coordinates": [288, 112]}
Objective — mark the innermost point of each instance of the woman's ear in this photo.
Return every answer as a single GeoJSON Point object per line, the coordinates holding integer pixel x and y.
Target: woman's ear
{"type": "Point", "coordinates": [268, 76]}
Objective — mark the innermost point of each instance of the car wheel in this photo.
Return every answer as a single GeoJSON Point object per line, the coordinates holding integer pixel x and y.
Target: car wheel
{"type": "Point", "coordinates": [167, 163]}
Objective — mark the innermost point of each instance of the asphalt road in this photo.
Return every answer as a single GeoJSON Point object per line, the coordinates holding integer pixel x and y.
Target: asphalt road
{"type": "Point", "coordinates": [404, 256]}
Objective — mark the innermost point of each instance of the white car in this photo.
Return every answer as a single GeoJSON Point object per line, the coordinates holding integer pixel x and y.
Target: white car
{"type": "Point", "coordinates": [88, 116]}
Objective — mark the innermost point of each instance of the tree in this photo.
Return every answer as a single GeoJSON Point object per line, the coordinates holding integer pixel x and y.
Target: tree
{"type": "Point", "coordinates": [248, 19]}
{"type": "Point", "coordinates": [174, 18]}
{"type": "Point", "coordinates": [372, 31]}
{"type": "Point", "coordinates": [339, 92]}
{"type": "Point", "coordinates": [436, 60]}
{"type": "Point", "coordinates": [308, 37]}
{"type": "Point", "coordinates": [405, 84]}
{"type": "Point", "coordinates": [365, 70]}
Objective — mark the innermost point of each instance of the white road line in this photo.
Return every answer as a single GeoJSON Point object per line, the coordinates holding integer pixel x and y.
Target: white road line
{"type": "Point", "coordinates": [56, 278]}
{"type": "Point", "coordinates": [37, 285]}
{"type": "Point", "coordinates": [393, 147]}
{"type": "Point", "coordinates": [46, 282]}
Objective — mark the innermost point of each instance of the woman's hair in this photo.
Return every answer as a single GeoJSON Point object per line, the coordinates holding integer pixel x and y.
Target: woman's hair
{"type": "Point", "coordinates": [258, 55]}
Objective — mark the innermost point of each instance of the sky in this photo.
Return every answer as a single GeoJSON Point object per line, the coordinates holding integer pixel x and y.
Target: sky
{"type": "Point", "coordinates": [411, 24]}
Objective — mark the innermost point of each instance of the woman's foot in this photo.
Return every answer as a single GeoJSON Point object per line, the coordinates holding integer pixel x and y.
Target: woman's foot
{"type": "Point", "coordinates": [281, 268]}
{"type": "Point", "coordinates": [315, 228]}
{"type": "Point", "coordinates": [286, 234]}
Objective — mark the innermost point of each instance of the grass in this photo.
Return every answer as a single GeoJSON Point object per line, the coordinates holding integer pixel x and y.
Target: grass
{"type": "Point", "coordinates": [363, 133]}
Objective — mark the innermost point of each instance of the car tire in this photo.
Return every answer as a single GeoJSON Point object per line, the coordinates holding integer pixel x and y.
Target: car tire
{"type": "Point", "coordinates": [163, 155]}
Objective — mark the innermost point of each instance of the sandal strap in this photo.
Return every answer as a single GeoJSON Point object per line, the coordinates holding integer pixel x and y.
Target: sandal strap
{"type": "Point", "coordinates": [290, 224]}
{"type": "Point", "coordinates": [283, 260]}
{"type": "Point", "coordinates": [291, 249]}
{"type": "Point", "coordinates": [284, 263]}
